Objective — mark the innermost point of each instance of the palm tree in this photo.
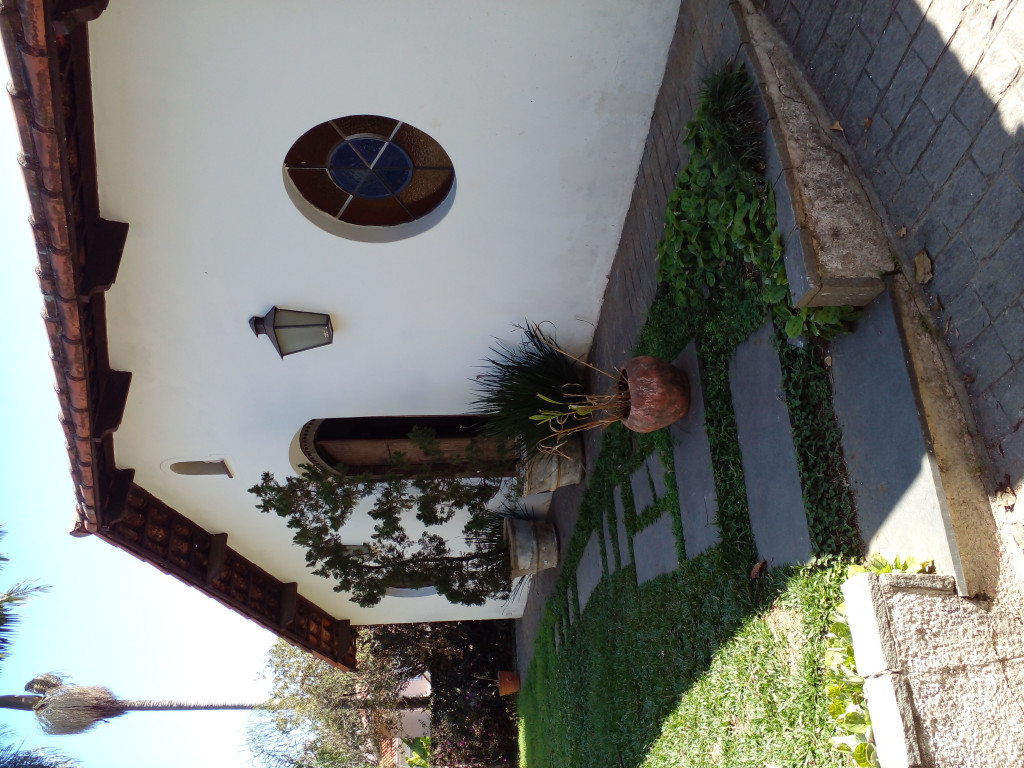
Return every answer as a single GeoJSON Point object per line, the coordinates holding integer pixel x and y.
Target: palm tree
{"type": "Point", "coordinates": [12, 757]}
{"type": "Point", "coordinates": [64, 708]}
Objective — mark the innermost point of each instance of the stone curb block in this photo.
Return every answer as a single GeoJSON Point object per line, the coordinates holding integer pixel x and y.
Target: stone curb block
{"type": "Point", "coordinates": [834, 246]}
{"type": "Point", "coordinates": [889, 699]}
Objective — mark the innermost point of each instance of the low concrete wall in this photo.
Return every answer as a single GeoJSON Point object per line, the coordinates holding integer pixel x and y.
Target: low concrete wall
{"type": "Point", "coordinates": [835, 247]}
{"type": "Point", "coordinates": [942, 673]}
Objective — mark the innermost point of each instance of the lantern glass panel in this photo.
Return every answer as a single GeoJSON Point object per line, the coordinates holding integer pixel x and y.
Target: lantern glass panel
{"type": "Point", "coordinates": [299, 337]}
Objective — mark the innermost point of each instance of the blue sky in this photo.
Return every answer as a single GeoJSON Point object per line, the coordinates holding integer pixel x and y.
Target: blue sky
{"type": "Point", "coordinates": [108, 618]}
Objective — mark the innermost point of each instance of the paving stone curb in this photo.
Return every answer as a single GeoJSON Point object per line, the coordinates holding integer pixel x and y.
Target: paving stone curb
{"type": "Point", "coordinates": [885, 686]}
{"type": "Point", "coordinates": [834, 245]}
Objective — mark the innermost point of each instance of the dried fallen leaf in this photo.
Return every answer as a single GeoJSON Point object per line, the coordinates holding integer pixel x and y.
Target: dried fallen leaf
{"type": "Point", "coordinates": [969, 379]}
{"type": "Point", "coordinates": [867, 123]}
{"type": "Point", "coordinates": [759, 570]}
{"type": "Point", "coordinates": [828, 359]}
{"type": "Point", "coordinates": [922, 267]}
{"type": "Point", "coordinates": [1007, 486]}
{"type": "Point", "coordinates": [837, 127]}
{"type": "Point", "coordinates": [938, 303]}
{"type": "Point", "coordinates": [901, 232]}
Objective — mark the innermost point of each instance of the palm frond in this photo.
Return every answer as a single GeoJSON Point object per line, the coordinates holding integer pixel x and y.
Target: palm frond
{"type": "Point", "coordinates": [77, 708]}
{"type": "Point", "coordinates": [45, 682]}
{"type": "Point", "coordinates": [515, 380]}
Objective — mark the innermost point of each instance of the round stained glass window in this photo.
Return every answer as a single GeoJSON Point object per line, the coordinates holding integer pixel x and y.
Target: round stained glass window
{"type": "Point", "coordinates": [370, 167]}
{"type": "Point", "coordinates": [357, 175]}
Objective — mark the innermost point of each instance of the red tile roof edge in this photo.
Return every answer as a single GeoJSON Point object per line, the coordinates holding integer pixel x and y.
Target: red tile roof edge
{"type": "Point", "coordinates": [47, 161]}
{"type": "Point", "coordinates": [25, 39]}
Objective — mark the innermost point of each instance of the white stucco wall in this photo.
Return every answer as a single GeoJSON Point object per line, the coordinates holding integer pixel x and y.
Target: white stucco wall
{"type": "Point", "coordinates": [544, 108]}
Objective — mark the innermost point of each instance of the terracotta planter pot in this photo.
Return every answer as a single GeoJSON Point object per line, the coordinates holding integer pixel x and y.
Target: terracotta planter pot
{"type": "Point", "coordinates": [508, 683]}
{"type": "Point", "coordinates": [659, 393]}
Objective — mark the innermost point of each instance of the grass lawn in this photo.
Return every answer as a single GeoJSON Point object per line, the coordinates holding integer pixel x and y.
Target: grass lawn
{"type": "Point", "coordinates": [704, 665]}
{"type": "Point", "coordinates": [701, 667]}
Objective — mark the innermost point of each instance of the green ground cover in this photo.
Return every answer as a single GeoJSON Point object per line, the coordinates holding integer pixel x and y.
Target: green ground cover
{"type": "Point", "coordinates": [704, 665]}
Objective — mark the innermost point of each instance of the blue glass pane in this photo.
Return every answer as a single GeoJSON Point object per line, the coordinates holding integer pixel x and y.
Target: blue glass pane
{"type": "Point", "coordinates": [393, 157]}
{"type": "Point", "coordinates": [368, 148]}
{"type": "Point", "coordinates": [349, 179]}
{"type": "Point", "coordinates": [394, 167]}
{"type": "Point", "coordinates": [391, 173]}
{"type": "Point", "coordinates": [344, 156]}
{"type": "Point", "coordinates": [373, 188]}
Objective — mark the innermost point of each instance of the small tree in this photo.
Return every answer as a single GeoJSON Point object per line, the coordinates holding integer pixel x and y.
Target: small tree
{"type": "Point", "coordinates": [321, 717]}
{"type": "Point", "coordinates": [318, 503]}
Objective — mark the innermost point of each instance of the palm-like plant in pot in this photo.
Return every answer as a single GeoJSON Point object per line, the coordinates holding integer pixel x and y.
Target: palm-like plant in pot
{"type": "Point", "coordinates": [516, 381]}
{"type": "Point", "coordinates": [533, 395]}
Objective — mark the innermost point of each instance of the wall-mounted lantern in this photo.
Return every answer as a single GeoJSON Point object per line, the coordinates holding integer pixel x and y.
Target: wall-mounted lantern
{"type": "Point", "coordinates": [291, 331]}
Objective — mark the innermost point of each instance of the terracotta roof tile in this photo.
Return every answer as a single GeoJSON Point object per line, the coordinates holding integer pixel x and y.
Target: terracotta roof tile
{"type": "Point", "coordinates": [33, 25]}
{"type": "Point", "coordinates": [74, 363]}
{"type": "Point", "coordinates": [23, 27]}
{"type": "Point", "coordinates": [56, 218]}
{"type": "Point", "coordinates": [70, 321]}
{"type": "Point", "coordinates": [35, 199]}
{"type": "Point", "coordinates": [22, 114]}
{"type": "Point", "coordinates": [47, 153]}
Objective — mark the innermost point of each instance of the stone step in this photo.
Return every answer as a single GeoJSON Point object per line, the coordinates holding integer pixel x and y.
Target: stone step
{"type": "Point", "coordinates": [774, 495]}
{"type": "Point", "coordinates": [655, 549]}
{"type": "Point", "coordinates": [589, 570]}
{"type": "Point", "coordinates": [620, 529]}
{"type": "Point", "coordinates": [691, 459]}
{"type": "Point", "coordinates": [914, 481]}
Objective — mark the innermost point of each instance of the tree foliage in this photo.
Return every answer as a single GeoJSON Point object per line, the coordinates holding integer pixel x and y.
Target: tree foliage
{"type": "Point", "coordinates": [318, 503]}
{"type": "Point", "coordinates": [321, 717]}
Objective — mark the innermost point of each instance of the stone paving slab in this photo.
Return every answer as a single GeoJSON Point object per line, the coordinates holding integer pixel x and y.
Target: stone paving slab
{"type": "Point", "coordinates": [657, 472]}
{"type": "Point", "coordinates": [589, 570]}
{"type": "Point", "coordinates": [643, 494]}
{"type": "Point", "coordinates": [620, 529]}
{"type": "Point", "coordinates": [931, 99]}
{"type": "Point", "coordinates": [609, 551]}
{"type": "Point", "coordinates": [691, 452]}
{"type": "Point", "coordinates": [655, 549]}
{"type": "Point", "coordinates": [901, 508]}
{"type": "Point", "coordinates": [648, 483]}
{"type": "Point", "coordinates": [774, 496]}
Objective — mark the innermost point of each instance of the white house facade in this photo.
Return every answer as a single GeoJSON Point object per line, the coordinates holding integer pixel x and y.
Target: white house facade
{"type": "Point", "coordinates": [506, 138]}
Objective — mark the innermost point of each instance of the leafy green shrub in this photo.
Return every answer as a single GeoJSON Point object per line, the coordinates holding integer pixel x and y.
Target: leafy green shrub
{"type": "Point", "coordinates": [470, 724]}
{"type": "Point", "coordinates": [722, 211]}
